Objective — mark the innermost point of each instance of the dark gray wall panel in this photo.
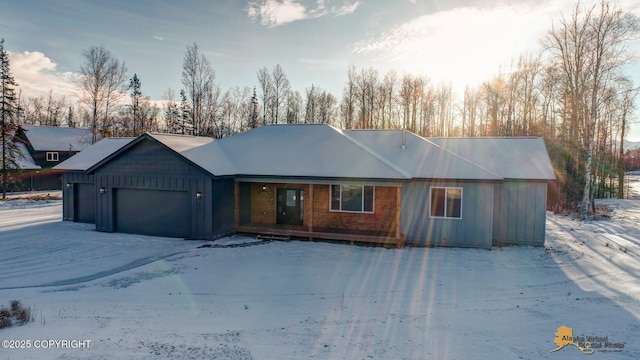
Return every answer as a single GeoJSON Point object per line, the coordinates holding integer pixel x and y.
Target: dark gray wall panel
{"type": "Point", "coordinates": [73, 178]}
{"type": "Point", "coordinates": [520, 213]}
{"type": "Point", "coordinates": [150, 161]}
{"type": "Point", "coordinates": [223, 206]}
{"type": "Point", "coordinates": [152, 212]}
{"type": "Point", "coordinates": [85, 203]}
{"type": "Point", "coordinates": [474, 229]}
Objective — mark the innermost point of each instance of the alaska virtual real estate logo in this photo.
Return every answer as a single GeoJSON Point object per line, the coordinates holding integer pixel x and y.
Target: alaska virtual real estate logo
{"type": "Point", "coordinates": [586, 344]}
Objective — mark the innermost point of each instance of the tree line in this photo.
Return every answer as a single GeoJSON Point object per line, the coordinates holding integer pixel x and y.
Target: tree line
{"type": "Point", "coordinates": [574, 93]}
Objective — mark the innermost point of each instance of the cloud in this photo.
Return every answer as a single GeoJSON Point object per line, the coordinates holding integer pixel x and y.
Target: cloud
{"type": "Point", "coordinates": [345, 9]}
{"type": "Point", "coordinates": [462, 45]}
{"type": "Point", "coordinates": [466, 45]}
{"type": "Point", "coordinates": [273, 13]}
{"type": "Point", "coordinates": [159, 38]}
{"type": "Point", "coordinates": [36, 75]}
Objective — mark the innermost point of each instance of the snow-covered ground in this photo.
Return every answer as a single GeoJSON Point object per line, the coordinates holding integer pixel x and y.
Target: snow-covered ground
{"type": "Point", "coordinates": [141, 297]}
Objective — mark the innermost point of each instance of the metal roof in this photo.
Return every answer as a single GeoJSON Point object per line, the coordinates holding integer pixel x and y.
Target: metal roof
{"type": "Point", "coordinates": [306, 151]}
{"type": "Point", "coordinates": [420, 157]}
{"type": "Point", "coordinates": [53, 138]}
{"type": "Point", "coordinates": [511, 157]}
{"type": "Point", "coordinates": [323, 151]}
{"type": "Point", "coordinates": [93, 154]}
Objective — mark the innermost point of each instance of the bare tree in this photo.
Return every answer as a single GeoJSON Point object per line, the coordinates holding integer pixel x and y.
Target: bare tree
{"type": "Point", "coordinates": [348, 103]}
{"type": "Point", "coordinates": [281, 88]}
{"type": "Point", "coordinates": [266, 85]}
{"type": "Point", "coordinates": [197, 79]}
{"type": "Point", "coordinates": [294, 107]}
{"type": "Point", "coordinates": [590, 48]}
{"type": "Point", "coordinates": [101, 83]}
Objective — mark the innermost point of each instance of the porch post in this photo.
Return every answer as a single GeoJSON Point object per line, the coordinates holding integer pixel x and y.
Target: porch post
{"type": "Point", "coordinates": [310, 208]}
{"type": "Point", "coordinates": [398, 211]}
{"type": "Point", "coordinates": [236, 197]}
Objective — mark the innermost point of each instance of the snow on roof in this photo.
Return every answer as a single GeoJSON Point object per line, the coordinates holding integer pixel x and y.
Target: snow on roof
{"type": "Point", "coordinates": [24, 160]}
{"type": "Point", "coordinates": [93, 154]}
{"type": "Point", "coordinates": [53, 138]}
{"type": "Point", "coordinates": [203, 151]}
{"type": "Point", "coordinates": [513, 158]}
{"type": "Point", "coordinates": [419, 157]}
{"type": "Point", "coordinates": [306, 151]}
{"type": "Point", "coordinates": [320, 150]}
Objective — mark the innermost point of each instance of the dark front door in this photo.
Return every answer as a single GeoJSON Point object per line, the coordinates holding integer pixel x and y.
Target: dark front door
{"type": "Point", "coordinates": [290, 206]}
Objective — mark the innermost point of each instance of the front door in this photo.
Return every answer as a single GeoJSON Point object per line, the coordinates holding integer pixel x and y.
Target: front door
{"type": "Point", "coordinates": [290, 206]}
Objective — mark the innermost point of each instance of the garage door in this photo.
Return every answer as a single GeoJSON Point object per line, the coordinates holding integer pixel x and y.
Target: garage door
{"type": "Point", "coordinates": [152, 212]}
{"type": "Point", "coordinates": [85, 203]}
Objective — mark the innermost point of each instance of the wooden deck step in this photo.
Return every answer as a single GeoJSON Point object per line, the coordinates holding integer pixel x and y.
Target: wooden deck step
{"type": "Point", "coordinates": [273, 237]}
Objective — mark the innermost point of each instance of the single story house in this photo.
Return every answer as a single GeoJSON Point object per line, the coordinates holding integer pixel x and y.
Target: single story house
{"type": "Point", "coordinates": [317, 181]}
{"type": "Point", "coordinates": [42, 148]}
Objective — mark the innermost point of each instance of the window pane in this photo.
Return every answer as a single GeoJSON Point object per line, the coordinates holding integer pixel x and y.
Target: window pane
{"type": "Point", "coordinates": [351, 198]}
{"type": "Point", "coordinates": [437, 202]}
{"type": "Point", "coordinates": [291, 198]}
{"type": "Point", "coordinates": [368, 198]}
{"type": "Point", "coordinates": [454, 202]}
{"type": "Point", "coordinates": [335, 197]}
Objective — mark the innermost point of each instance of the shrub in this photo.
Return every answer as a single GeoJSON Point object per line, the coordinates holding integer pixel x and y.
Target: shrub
{"type": "Point", "coordinates": [6, 319]}
{"type": "Point", "coordinates": [15, 306]}
{"type": "Point", "coordinates": [15, 312]}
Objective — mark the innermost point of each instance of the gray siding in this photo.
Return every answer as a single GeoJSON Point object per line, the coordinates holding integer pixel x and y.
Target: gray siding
{"type": "Point", "coordinates": [223, 207]}
{"type": "Point", "coordinates": [520, 213]}
{"type": "Point", "coordinates": [474, 229]}
{"type": "Point", "coordinates": [69, 198]}
{"type": "Point", "coordinates": [150, 166]}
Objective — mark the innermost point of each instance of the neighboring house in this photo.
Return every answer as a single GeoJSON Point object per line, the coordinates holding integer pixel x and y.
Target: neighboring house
{"type": "Point", "coordinates": [316, 181]}
{"type": "Point", "coordinates": [44, 147]}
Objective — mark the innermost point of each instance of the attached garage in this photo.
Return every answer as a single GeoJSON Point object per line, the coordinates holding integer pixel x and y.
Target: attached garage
{"type": "Point", "coordinates": [148, 187]}
{"type": "Point", "coordinates": [153, 212]}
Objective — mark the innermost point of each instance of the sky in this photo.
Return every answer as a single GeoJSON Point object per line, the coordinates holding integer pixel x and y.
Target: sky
{"type": "Point", "coordinates": [457, 41]}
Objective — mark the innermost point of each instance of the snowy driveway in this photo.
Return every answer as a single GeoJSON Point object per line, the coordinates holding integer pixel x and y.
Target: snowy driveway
{"type": "Point", "coordinates": [38, 249]}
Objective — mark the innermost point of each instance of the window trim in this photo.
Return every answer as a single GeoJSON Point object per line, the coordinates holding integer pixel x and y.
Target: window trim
{"type": "Point", "coordinates": [446, 190]}
{"type": "Point", "coordinates": [53, 156]}
{"type": "Point", "coordinates": [373, 204]}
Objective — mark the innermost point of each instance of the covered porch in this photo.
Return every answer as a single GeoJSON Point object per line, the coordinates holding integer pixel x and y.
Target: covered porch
{"type": "Point", "coordinates": [312, 211]}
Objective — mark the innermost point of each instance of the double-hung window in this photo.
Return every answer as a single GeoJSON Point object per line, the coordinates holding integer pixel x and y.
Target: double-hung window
{"type": "Point", "coordinates": [446, 202]}
{"type": "Point", "coordinates": [352, 198]}
{"type": "Point", "coordinates": [52, 156]}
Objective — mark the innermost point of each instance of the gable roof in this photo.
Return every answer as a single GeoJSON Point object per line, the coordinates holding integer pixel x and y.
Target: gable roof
{"type": "Point", "coordinates": [53, 138]}
{"type": "Point", "coordinates": [513, 157]}
{"type": "Point", "coordinates": [93, 154]}
{"type": "Point", "coordinates": [420, 157]}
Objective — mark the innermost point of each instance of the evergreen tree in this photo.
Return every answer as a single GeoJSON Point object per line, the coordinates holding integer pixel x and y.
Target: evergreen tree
{"type": "Point", "coordinates": [135, 85]}
{"type": "Point", "coordinates": [186, 128]}
{"type": "Point", "coordinates": [10, 152]}
{"type": "Point", "coordinates": [253, 114]}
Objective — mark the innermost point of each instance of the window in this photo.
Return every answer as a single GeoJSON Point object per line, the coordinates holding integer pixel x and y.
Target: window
{"type": "Point", "coordinates": [52, 156]}
{"type": "Point", "coordinates": [446, 202]}
{"type": "Point", "coordinates": [352, 198]}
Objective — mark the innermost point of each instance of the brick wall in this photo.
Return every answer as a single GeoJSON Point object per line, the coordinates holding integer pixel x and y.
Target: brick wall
{"type": "Point", "coordinates": [263, 201]}
{"type": "Point", "coordinates": [382, 219]}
